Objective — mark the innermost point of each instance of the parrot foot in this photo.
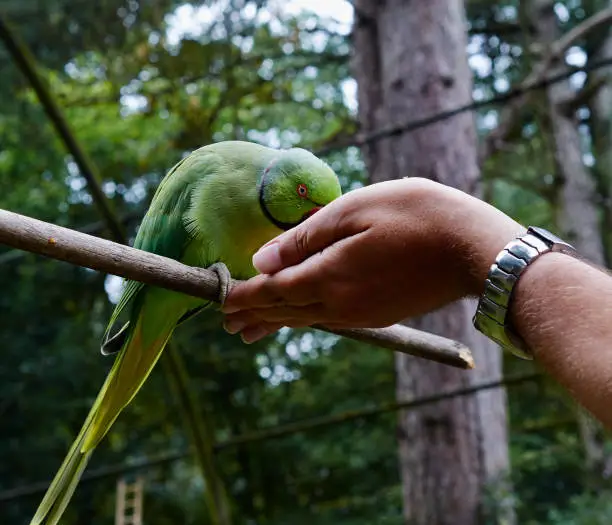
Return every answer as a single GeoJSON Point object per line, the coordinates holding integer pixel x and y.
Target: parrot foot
{"type": "Point", "coordinates": [225, 280]}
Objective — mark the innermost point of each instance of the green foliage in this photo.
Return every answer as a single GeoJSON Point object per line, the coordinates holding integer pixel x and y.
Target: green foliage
{"type": "Point", "coordinates": [584, 509]}
{"type": "Point", "coordinates": [139, 98]}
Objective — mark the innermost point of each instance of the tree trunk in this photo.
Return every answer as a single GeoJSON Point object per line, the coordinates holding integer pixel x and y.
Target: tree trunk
{"type": "Point", "coordinates": [601, 132]}
{"type": "Point", "coordinates": [579, 214]}
{"type": "Point", "coordinates": [410, 62]}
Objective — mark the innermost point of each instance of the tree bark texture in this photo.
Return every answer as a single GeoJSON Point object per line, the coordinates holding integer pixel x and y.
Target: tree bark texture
{"type": "Point", "coordinates": [410, 62]}
{"type": "Point", "coordinates": [601, 131]}
{"type": "Point", "coordinates": [578, 213]}
{"type": "Point", "coordinates": [579, 210]}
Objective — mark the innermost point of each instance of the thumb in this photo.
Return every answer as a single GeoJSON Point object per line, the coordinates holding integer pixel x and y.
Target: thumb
{"type": "Point", "coordinates": [297, 244]}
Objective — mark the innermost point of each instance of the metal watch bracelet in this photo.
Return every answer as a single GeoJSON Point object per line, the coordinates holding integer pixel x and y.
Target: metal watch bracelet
{"type": "Point", "coordinates": [491, 316]}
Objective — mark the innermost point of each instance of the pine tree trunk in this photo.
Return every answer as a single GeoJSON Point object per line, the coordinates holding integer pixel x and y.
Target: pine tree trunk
{"type": "Point", "coordinates": [579, 214]}
{"type": "Point", "coordinates": [410, 62]}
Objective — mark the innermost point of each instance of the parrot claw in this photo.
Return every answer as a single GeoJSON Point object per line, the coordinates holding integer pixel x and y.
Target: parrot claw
{"type": "Point", "coordinates": [225, 280]}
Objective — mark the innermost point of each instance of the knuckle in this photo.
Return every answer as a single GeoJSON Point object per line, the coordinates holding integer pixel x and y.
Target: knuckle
{"type": "Point", "coordinates": [271, 293]}
{"type": "Point", "coordinates": [301, 242]}
{"type": "Point", "coordinates": [421, 190]}
{"type": "Point", "coordinates": [275, 300]}
{"type": "Point", "coordinates": [294, 248]}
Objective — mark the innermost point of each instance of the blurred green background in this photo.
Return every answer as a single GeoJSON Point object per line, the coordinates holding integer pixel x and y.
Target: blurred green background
{"type": "Point", "coordinates": [144, 82]}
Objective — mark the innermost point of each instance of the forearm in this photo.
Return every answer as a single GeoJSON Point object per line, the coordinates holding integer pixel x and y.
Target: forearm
{"type": "Point", "coordinates": [562, 307]}
{"type": "Point", "coordinates": [399, 249]}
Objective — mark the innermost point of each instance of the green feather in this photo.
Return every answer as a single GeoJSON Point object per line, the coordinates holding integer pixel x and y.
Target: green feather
{"type": "Point", "coordinates": [161, 231]}
{"type": "Point", "coordinates": [206, 210]}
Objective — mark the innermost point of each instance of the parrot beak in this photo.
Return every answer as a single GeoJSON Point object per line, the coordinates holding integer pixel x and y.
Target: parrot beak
{"type": "Point", "coordinates": [310, 213]}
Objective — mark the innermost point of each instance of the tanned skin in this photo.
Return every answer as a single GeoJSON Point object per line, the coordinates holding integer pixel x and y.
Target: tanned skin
{"type": "Point", "coordinates": [403, 248]}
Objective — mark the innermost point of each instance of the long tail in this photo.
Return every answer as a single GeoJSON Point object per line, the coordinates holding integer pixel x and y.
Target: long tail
{"type": "Point", "coordinates": [64, 483]}
{"type": "Point", "coordinates": [131, 368]}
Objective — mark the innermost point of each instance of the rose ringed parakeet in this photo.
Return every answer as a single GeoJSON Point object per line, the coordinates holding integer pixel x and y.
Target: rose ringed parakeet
{"type": "Point", "coordinates": [215, 207]}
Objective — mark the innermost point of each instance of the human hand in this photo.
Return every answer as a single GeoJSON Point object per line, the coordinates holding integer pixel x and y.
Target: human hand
{"type": "Point", "coordinates": [373, 257]}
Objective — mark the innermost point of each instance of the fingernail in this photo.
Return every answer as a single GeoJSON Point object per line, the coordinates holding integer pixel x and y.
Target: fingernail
{"type": "Point", "coordinates": [253, 334]}
{"type": "Point", "coordinates": [267, 259]}
{"type": "Point", "coordinates": [226, 309]}
{"type": "Point", "coordinates": [233, 326]}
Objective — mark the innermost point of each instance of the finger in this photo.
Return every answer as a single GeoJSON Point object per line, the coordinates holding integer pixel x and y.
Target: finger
{"type": "Point", "coordinates": [325, 227]}
{"type": "Point", "coordinates": [255, 333]}
{"type": "Point", "coordinates": [309, 314]}
{"type": "Point", "coordinates": [265, 291]}
{"type": "Point", "coordinates": [258, 292]}
{"type": "Point", "coordinates": [309, 282]}
{"type": "Point", "coordinates": [297, 286]}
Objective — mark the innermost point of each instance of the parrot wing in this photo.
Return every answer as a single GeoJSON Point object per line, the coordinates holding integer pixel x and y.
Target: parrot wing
{"type": "Point", "coordinates": [155, 311]}
{"type": "Point", "coordinates": [162, 232]}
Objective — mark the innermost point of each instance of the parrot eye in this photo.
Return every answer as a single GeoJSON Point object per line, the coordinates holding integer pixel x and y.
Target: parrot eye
{"type": "Point", "coordinates": [302, 190]}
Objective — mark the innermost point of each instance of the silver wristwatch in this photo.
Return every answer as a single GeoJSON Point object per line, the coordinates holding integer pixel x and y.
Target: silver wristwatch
{"type": "Point", "coordinates": [491, 316]}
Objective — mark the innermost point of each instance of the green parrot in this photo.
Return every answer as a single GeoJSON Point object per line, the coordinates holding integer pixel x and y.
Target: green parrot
{"type": "Point", "coordinates": [215, 208]}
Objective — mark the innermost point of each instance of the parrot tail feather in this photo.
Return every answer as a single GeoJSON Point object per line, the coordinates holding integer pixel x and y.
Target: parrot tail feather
{"type": "Point", "coordinates": [130, 370]}
{"type": "Point", "coordinates": [144, 342]}
{"type": "Point", "coordinates": [64, 484]}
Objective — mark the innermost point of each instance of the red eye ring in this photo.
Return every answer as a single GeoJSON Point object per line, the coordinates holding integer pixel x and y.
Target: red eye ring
{"type": "Point", "coordinates": [302, 190]}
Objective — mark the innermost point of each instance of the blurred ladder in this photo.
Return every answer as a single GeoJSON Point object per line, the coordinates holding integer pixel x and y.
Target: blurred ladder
{"type": "Point", "coordinates": [128, 509]}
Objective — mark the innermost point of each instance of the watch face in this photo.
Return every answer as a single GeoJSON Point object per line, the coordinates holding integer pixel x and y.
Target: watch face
{"type": "Point", "coordinates": [549, 238]}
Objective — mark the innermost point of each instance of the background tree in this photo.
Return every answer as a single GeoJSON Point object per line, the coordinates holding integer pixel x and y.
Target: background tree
{"type": "Point", "coordinates": [411, 63]}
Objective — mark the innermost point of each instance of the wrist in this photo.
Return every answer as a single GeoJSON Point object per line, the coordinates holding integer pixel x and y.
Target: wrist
{"type": "Point", "coordinates": [492, 315]}
{"type": "Point", "coordinates": [544, 274]}
{"type": "Point", "coordinates": [486, 245]}
{"type": "Point", "coordinates": [462, 234]}
{"type": "Point", "coordinates": [478, 231]}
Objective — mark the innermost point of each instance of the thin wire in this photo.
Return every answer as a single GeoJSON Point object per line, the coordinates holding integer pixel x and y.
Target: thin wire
{"type": "Point", "coordinates": [276, 432]}
{"type": "Point", "coordinates": [502, 98]}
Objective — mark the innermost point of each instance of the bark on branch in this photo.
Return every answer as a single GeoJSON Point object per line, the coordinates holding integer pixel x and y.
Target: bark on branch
{"type": "Point", "coordinates": [580, 98]}
{"type": "Point", "coordinates": [26, 233]}
{"type": "Point", "coordinates": [512, 112]}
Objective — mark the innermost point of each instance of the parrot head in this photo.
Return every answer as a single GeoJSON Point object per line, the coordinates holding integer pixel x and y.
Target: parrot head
{"type": "Point", "coordinates": [294, 186]}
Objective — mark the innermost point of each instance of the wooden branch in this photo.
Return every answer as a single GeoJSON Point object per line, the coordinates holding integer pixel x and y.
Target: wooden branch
{"type": "Point", "coordinates": [67, 245]}
{"type": "Point", "coordinates": [396, 338]}
{"type": "Point", "coordinates": [94, 228]}
{"type": "Point", "coordinates": [411, 341]}
{"type": "Point", "coordinates": [580, 98]}
{"type": "Point", "coordinates": [514, 108]}
{"type": "Point", "coordinates": [286, 429]}
{"type": "Point", "coordinates": [492, 27]}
